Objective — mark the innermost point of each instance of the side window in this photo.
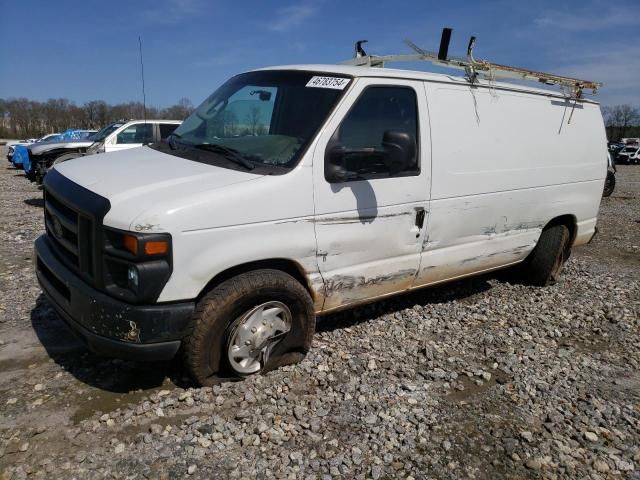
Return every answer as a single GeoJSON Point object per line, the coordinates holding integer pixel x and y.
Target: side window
{"type": "Point", "coordinates": [378, 138]}
{"type": "Point", "coordinates": [139, 133]}
{"type": "Point", "coordinates": [167, 129]}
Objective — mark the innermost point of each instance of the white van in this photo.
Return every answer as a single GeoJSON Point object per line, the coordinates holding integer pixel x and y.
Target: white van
{"type": "Point", "coordinates": [300, 190]}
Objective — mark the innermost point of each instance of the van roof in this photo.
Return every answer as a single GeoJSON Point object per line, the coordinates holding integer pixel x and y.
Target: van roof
{"type": "Point", "coordinates": [377, 72]}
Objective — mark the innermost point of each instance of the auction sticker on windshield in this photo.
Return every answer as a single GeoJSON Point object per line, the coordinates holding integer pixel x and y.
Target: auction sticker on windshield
{"type": "Point", "coordinates": [335, 83]}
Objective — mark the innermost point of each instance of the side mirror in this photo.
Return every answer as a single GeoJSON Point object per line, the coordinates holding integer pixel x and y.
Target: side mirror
{"type": "Point", "coordinates": [334, 169]}
{"type": "Point", "coordinates": [399, 150]}
{"type": "Point", "coordinates": [398, 153]}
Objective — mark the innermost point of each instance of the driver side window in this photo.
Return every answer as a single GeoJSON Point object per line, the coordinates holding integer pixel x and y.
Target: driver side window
{"type": "Point", "coordinates": [140, 133]}
{"type": "Point", "coordinates": [378, 110]}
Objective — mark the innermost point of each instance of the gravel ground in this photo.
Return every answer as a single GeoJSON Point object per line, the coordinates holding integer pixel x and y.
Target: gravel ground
{"type": "Point", "coordinates": [475, 379]}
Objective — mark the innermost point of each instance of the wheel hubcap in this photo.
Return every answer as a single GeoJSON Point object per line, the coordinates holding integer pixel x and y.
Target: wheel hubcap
{"type": "Point", "coordinates": [254, 334]}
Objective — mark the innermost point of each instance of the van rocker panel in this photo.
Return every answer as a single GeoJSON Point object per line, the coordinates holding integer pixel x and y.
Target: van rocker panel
{"type": "Point", "coordinates": [108, 326]}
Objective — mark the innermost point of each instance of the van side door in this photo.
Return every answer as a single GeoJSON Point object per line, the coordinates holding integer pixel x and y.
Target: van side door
{"type": "Point", "coordinates": [371, 213]}
{"type": "Point", "coordinates": [501, 170]}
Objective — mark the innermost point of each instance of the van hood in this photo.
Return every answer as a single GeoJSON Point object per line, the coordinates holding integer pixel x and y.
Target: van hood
{"type": "Point", "coordinates": [142, 176]}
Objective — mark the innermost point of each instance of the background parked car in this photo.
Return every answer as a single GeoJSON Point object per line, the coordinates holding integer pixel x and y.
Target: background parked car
{"type": "Point", "coordinates": [134, 133]}
{"type": "Point", "coordinates": [16, 142]}
{"type": "Point", "coordinates": [68, 135]}
{"type": "Point", "coordinates": [13, 145]}
{"type": "Point", "coordinates": [41, 159]}
{"type": "Point", "coordinates": [615, 147]}
{"type": "Point", "coordinates": [114, 137]}
{"type": "Point", "coordinates": [628, 154]}
{"type": "Point", "coordinates": [69, 140]}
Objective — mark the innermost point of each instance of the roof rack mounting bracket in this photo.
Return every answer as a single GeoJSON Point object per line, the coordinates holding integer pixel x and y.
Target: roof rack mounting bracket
{"type": "Point", "coordinates": [474, 68]}
{"type": "Point", "coordinates": [443, 52]}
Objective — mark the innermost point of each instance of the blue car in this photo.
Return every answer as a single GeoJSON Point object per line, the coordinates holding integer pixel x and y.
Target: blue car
{"type": "Point", "coordinates": [20, 154]}
{"type": "Point", "coordinates": [70, 134]}
{"type": "Point", "coordinates": [26, 143]}
{"type": "Point", "coordinates": [21, 158]}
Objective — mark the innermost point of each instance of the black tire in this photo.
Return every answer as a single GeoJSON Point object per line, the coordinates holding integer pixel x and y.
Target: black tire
{"type": "Point", "coordinates": [206, 344]}
{"type": "Point", "coordinates": [609, 184]}
{"type": "Point", "coordinates": [544, 264]}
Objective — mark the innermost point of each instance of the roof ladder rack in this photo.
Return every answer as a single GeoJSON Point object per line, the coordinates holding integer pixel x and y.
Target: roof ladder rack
{"type": "Point", "coordinates": [473, 68]}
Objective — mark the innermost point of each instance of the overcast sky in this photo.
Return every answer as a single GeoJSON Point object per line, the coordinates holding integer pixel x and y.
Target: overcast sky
{"type": "Point", "coordinates": [87, 50]}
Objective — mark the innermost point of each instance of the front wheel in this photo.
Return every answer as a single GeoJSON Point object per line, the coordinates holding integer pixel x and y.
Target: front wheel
{"type": "Point", "coordinates": [249, 324]}
{"type": "Point", "coordinates": [609, 184]}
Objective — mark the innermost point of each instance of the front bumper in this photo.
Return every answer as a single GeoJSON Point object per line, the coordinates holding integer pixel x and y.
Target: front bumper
{"type": "Point", "coordinates": [108, 326]}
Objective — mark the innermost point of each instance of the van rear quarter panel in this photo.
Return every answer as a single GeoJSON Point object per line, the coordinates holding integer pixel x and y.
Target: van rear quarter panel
{"type": "Point", "coordinates": [503, 165]}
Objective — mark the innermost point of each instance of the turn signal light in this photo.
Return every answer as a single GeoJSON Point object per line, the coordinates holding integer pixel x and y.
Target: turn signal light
{"type": "Point", "coordinates": [156, 247]}
{"type": "Point", "coordinates": [130, 243]}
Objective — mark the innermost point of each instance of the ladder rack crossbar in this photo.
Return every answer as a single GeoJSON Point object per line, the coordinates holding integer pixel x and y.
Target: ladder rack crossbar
{"type": "Point", "coordinates": [473, 68]}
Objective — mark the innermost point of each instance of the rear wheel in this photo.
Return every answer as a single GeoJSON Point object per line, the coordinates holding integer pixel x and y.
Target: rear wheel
{"type": "Point", "coordinates": [249, 324]}
{"type": "Point", "coordinates": [544, 264]}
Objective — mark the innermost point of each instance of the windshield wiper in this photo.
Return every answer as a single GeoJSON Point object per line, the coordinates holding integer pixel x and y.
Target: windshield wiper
{"type": "Point", "coordinates": [226, 152]}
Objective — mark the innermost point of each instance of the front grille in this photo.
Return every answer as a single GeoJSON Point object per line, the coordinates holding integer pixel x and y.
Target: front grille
{"type": "Point", "coordinates": [73, 219]}
{"type": "Point", "coordinates": [70, 233]}
{"type": "Point", "coordinates": [60, 287]}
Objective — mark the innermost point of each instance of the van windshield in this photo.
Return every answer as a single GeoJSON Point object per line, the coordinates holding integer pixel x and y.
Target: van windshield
{"type": "Point", "coordinates": [268, 117]}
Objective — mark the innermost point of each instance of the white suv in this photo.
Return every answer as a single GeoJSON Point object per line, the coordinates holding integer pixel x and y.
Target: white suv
{"type": "Point", "coordinates": [134, 133]}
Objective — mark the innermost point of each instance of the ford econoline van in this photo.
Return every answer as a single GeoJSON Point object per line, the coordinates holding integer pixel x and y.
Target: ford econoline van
{"type": "Point", "coordinates": [296, 191]}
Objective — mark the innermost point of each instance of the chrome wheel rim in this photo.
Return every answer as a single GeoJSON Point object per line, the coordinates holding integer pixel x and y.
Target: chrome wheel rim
{"type": "Point", "coordinates": [254, 334]}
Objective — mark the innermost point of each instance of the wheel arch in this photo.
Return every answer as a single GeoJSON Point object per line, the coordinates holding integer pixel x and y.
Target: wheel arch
{"type": "Point", "coordinates": [285, 265]}
{"type": "Point", "coordinates": [568, 220]}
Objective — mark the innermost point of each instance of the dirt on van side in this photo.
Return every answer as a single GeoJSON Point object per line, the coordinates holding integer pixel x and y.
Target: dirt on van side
{"type": "Point", "coordinates": [480, 378]}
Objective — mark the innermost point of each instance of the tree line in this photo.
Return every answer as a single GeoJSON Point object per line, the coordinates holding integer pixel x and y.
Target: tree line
{"type": "Point", "coordinates": [24, 118]}
{"type": "Point", "coordinates": [621, 121]}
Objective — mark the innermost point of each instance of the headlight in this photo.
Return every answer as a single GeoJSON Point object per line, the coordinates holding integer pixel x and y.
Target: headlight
{"type": "Point", "coordinates": [136, 266]}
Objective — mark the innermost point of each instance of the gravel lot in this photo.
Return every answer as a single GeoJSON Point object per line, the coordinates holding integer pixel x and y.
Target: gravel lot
{"type": "Point", "coordinates": [476, 379]}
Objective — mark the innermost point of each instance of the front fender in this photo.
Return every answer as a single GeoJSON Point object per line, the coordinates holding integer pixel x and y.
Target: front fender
{"type": "Point", "coordinates": [201, 255]}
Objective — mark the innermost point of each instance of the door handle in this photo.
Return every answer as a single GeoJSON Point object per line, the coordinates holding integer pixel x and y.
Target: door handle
{"type": "Point", "coordinates": [420, 215]}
